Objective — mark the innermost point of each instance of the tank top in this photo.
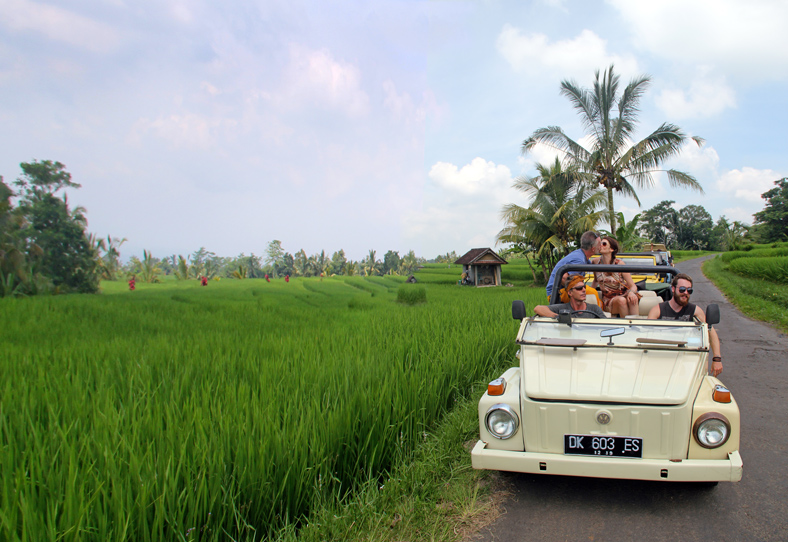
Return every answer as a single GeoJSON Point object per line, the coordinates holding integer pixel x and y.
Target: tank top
{"type": "Point", "coordinates": [684, 315]}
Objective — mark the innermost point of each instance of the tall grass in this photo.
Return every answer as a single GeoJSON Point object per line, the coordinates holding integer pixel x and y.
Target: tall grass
{"type": "Point", "coordinates": [774, 269]}
{"type": "Point", "coordinates": [178, 412]}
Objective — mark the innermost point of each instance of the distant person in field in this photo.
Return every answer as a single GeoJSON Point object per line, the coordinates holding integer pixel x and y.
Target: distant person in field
{"type": "Point", "coordinates": [679, 308]}
{"type": "Point", "coordinates": [132, 283]}
{"type": "Point", "coordinates": [204, 280]}
{"type": "Point", "coordinates": [287, 278]}
{"type": "Point", "coordinates": [266, 278]}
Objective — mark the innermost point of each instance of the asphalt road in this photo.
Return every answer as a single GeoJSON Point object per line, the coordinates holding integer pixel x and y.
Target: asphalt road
{"type": "Point", "coordinates": [755, 368]}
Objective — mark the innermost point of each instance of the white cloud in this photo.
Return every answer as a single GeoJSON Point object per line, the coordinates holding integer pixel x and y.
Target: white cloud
{"type": "Point", "coordinates": [706, 97]}
{"type": "Point", "coordinates": [700, 162]}
{"type": "Point", "coordinates": [571, 58]}
{"type": "Point", "coordinates": [315, 78]}
{"type": "Point", "coordinates": [747, 183]}
{"type": "Point", "coordinates": [58, 24]}
{"type": "Point", "coordinates": [478, 177]}
{"type": "Point", "coordinates": [463, 206]}
{"type": "Point", "coordinates": [747, 36]}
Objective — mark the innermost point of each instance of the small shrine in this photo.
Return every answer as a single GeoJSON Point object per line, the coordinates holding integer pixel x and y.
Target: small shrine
{"type": "Point", "coordinates": [481, 267]}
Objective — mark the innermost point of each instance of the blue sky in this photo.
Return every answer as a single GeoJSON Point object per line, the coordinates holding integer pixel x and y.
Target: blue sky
{"type": "Point", "coordinates": [368, 125]}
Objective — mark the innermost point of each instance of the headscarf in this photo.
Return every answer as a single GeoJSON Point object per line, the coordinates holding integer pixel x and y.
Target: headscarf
{"type": "Point", "coordinates": [574, 280]}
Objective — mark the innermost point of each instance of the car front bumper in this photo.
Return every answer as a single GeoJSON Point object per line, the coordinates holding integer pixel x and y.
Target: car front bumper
{"type": "Point", "coordinates": [685, 470]}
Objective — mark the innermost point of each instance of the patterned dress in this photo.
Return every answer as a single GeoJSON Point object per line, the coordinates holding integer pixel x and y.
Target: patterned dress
{"type": "Point", "coordinates": [610, 284]}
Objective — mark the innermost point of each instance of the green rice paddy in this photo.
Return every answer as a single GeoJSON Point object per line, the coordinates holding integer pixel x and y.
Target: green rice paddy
{"type": "Point", "coordinates": [181, 412]}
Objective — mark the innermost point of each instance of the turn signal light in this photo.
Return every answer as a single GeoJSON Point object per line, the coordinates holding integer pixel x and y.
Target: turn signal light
{"type": "Point", "coordinates": [721, 394]}
{"type": "Point", "coordinates": [496, 387]}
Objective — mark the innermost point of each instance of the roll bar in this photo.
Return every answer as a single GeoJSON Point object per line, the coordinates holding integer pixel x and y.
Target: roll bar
{"type": "Point", "coordinates": [586, 268]}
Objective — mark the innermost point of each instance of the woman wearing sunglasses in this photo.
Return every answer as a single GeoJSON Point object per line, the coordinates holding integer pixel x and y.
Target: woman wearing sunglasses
{"type": "Point", "coordinates": [679, 308]}
{"type": "Point", "coordinates": [619, 293]}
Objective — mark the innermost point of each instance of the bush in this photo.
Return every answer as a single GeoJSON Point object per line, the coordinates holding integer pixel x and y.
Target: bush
{"type": "Point", "coordinates": [772, 269]}
{"type": "Point", "coordinates": [411, 294]}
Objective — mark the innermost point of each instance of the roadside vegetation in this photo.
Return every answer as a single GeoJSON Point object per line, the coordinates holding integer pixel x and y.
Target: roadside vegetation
{"type": "Point", "coordinates": [754, 280]}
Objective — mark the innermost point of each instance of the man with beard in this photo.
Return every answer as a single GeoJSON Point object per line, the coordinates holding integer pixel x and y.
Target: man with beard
{"type": "Point", "coordinates": [679, 308]}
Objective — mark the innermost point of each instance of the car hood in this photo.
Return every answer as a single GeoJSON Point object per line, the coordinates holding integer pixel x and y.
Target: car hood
{"type": "Point", "coordinates": [610, 375]}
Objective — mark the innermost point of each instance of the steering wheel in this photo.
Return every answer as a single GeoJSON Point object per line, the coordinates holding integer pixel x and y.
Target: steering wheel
{"type": "Point", "coordinates": [595, 315]}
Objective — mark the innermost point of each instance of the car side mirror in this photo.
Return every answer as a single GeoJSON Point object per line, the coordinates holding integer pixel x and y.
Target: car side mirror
{"type": "Point", "coordinates": [713, 314]}
{"type": "Point", "coordinates": [518, 310]}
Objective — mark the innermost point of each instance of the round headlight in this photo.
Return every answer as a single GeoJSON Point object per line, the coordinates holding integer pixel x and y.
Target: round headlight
{"type": "Point", "coordinates": [501, 421]}
{"type": "Point", "coordinates": [712, 430]}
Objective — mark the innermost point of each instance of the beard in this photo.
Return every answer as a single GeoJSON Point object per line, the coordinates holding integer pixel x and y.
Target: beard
{"type": "Point", "coordinates": [681, 300]}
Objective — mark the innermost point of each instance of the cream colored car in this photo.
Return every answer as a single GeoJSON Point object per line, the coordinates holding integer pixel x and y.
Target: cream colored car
{"type": "Point", "coordinates": [611, 398]}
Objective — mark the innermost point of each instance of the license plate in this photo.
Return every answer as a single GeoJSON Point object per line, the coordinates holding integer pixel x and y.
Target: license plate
{"type": "Point", "coordinates": [605, 446]}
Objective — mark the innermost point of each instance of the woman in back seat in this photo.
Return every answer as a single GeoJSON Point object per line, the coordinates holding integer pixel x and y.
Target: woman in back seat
{"type": "Point", "coordinates": [619, 293]}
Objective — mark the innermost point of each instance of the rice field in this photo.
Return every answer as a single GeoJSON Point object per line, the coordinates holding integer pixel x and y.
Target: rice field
{"type": "Point", "coordinates": [181, 412]}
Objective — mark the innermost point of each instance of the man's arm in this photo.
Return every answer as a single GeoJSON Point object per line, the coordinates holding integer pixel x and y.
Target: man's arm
{"type": "Point", "coordinates": [653, 314]}
{"type": "Point", "coordinates": [544, 310]}
{"type": "Point", "coordinates": [714, 340]}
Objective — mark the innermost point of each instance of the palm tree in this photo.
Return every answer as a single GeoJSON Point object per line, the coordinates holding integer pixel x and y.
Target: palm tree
{"type": "Point", "coordinates": [371, 265]}
{"type": "Point", "coordinates": [628, 233]}
{"type": "Point", "coordinates": [562, 208]}
{"type": "Point", "coordinates": [614, 161]}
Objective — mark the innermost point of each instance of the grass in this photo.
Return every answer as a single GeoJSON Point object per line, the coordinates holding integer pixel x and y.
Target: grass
{"type": "Point", "coordinates": [760, 299]}
{"type": "Point", "coordinates": [241, 410]}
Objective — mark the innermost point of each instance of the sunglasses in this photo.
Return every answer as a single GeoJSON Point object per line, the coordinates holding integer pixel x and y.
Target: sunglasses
{"type": "Point", "coordinates": [579, 288]}
{"type": "Point", "coordinates": [683, 289]}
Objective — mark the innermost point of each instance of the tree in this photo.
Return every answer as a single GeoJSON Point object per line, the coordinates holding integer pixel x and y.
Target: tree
{"type": "Point", "coordinates": [109, 262]}
{"type": "Point", "coordinates": [372, 266]}
{"type": "Point", "coordinates": [773, 220]}
{"type": "Point", "coordinates": [288, 264]}
{"type": "Point", "coordinates": [53, 234]}
{"type": "Point", "coordinates": [13, 265]}
{"type": "Point", "coordinates": [147, 269]}
{"type": "Point", "coordinates": [660, 223]}
{"type": "Point", "coordinates": [301, 263]}
{"type": "Point", "coordinates": [562, 209]}
{"type": "Point", "coordinates": [273, 256]}
{"type": "Point", "coordinates": [338, 263]}
{"type": "Point", "coordinates": [728, 235]}
{"type": "Point", "coordinates": [628, 234]}
{"type": "Point", "coordinates": [694, 228]}
{"type": "Point", "coordinates": [391, 262]}
{"type": "Point", "coordinates": [613, 161]}
{"type": "Point", "coordinates": [409, 263]}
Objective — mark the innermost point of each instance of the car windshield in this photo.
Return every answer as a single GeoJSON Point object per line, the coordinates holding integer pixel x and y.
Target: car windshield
{"type": "Point", "coordinates": [638, 261]}
{"type": "Point", "coordinates": [654, 334]}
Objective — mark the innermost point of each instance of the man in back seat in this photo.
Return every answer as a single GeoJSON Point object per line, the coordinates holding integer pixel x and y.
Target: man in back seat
{"type": "Point", "coordinates": [679, 308]}
{"type": "Point", "coordinates": [577, 302]}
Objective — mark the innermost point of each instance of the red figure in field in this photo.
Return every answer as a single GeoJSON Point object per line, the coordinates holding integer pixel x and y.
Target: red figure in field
{"type": "Point", "coordinates": [287, 278]}
{"type": "Point", "coordinates": [204, 281]}
{"type": "Point", "coordinates": [132, 283]}
{"type": "Point", "coordinates": [266, 278]}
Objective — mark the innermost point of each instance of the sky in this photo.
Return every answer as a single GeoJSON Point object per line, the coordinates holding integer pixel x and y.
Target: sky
{"type": "Point", "coordinates": [380, 125]}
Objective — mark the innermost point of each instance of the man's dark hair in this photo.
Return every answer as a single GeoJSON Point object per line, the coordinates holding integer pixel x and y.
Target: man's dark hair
{"type": "Point", "coordinates": [676, 279]}
{"type": "Point", "coordinates": [588, 239]}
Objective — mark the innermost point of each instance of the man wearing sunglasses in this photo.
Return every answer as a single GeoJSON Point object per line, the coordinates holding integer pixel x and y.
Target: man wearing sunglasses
{"type": "Point", "coordinates": [679, 308]}
{"type": "Point", "coordinates": [577, 302]}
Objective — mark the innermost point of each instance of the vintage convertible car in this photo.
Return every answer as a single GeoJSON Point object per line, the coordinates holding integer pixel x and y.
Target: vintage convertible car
{"type": "Point", "coordinates": [611, 398]}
